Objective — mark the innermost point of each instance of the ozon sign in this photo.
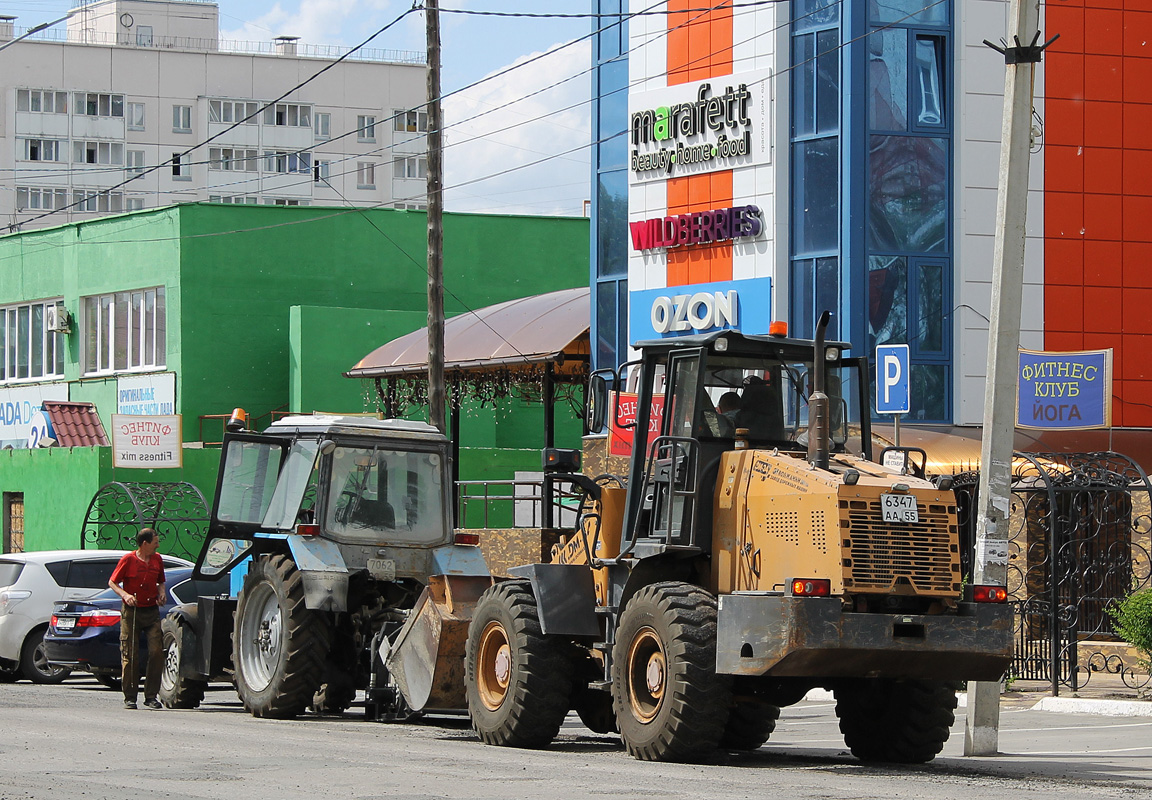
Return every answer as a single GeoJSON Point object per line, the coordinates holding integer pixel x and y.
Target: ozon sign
{"type": "Point", "coordinates": [699, 311]}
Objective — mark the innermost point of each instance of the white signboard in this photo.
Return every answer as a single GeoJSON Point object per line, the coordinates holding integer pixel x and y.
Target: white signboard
{"type": "Point", "coordinates": [146, 394]}
{"type": "Point", "coordinates": [19, 404]}
{"type": "Point", "coordinates": [146, 441]}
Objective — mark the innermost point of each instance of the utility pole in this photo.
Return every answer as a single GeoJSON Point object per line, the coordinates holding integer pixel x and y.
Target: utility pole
{"type": "Point", "coordinates": [982, 725]}
{"type": "Point", "coordinates": [436, 394]}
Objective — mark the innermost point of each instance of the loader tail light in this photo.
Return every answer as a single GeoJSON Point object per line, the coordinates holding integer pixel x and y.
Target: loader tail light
{"type": "Point", "coordinates": [308, 530]}
{"type": "Point", "coordinates": [468, 538]}
{"type": "Point", "coordinates": [989, 594]}
{"type": "Point", "coordinates": [811, 587]}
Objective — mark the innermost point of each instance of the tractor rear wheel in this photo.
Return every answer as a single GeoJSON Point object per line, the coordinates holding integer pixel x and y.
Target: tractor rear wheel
{"type": "Point", "coordinates": [279, 645]}
{"type": "Point", "coordinates": [750, 723]}
{"type": "Point", "coordinates": [670, 704]}
{"type": "Point", "coordinates": [176, 690]}
{"type": "Point", "coordinates": [903, 722]}
{"type": "Point", "coordinates": [518, 681]}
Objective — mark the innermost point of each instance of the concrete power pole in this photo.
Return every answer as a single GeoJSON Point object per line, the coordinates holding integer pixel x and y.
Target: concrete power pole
{"type": "Point", "coordinates": [436, 393]}
{"type": "Point", "coordinates": [982, 726]}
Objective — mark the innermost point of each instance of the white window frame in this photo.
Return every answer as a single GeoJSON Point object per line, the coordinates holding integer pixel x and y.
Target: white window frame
{"type": "Point", "coordinates": [135, 160]}
{"type": "Point", "coordinates": [365, 128]}
{"type": "Point", "coordinates": [121, 333]}
{"type": "Point", "coordinates": [37, 198]}
{"type": "Point", "coordinates": [98, 104]}
{"type": "Point", "coordinates": [287, 162]}
{"type": "Point", "coordinates": [322, 122]}
{"type": "Point", "coordinates": [410, 167]}
{"type": "Point", "coordinates": [95, 200]}
{"type": "Point", "coordinates": [135, 116]}
{"type": "Point", "coordinates": [134, 202]}
{"type": "Point", "coordinates": [22, 329]}
{"type": "Point", "coordinates": [181, 171]}
{"type": "Point", "coordinates": [413, 121]}
{"type": "Point", "coordinates": [233, 159]}
{"type": "Point", "coordinates": [233, 111]}
{"type": "Point", "coordinates": [365, 175]}
{"type": "Point", "coordinates": [42, 101]}
{"type": "Point", "coordinates": [291, 115]}
{"type": "Point", "coordinates": [104, 153]}
{"type": "Point", "coordinates": [181, 119]}
{"type": "Point", "coordinates": [50, 150]}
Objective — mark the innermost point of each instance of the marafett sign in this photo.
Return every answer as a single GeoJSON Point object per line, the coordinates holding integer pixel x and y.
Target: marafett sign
{"type": "Point", "coordinates": [1064, 391]}
{"type": "Point", "coordinates": [700, 127]}
{"type": "Point", "coordinates": [147, 442]}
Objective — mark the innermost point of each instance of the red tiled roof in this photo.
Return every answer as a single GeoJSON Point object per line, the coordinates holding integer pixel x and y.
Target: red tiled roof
{"type": "Point", "coordinates": [75, 424]}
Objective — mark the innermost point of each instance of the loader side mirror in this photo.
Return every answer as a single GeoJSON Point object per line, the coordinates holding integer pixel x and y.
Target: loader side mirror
{"type": "Point", "coordinates": [597, 409]}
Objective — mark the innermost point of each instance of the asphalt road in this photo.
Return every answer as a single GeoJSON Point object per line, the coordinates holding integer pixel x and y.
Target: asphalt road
{"type": "Point", "coordinates": [75, 741]}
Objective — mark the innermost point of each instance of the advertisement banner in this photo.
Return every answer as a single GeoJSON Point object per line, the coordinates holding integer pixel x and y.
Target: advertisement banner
{"type": "Point", "coordinates": [622, 410]}
{"type": "Point", "coordinates": [18, 407]}
{"type": "Point", "coordinates": [744, 305]}
{"type": "Point", "coordinates": [146, 395]}
{"type": "Point", "coordinates": [147, 441]}
{"type": "Point", "coordinates": [1064, 391]}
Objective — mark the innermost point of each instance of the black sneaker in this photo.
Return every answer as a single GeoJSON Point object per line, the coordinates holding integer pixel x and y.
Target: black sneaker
{"type": "Point", "coordinates": [152, 703]}
{"type": "Point", "coordinates": [130, 704]}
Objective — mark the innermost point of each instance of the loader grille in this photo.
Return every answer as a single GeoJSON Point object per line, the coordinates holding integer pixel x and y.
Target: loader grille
{"type": "Point", "coordinates": [904, 558]}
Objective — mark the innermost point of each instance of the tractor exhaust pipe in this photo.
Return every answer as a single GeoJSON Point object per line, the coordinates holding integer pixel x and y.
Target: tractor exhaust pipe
{"type": "Point", "coordinates": [819, 436]}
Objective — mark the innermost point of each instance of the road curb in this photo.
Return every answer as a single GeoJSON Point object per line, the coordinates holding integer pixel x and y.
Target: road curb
{"type": "Point", "coordinates": [1106, 708]}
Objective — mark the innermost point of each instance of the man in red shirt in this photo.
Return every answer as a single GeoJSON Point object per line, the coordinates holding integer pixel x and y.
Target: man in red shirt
{"type": "Point", "coordinates": [139, 580]}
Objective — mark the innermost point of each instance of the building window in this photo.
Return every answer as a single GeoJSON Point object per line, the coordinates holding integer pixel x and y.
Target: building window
{"type": "Point", "coordinates": [43, 101]}
{"type": "Point", "coordinates": [287, 162]}
{"type": "Point", "coordinates": [323, 125]}
{"type": "Point", "coordinates": [283, 201]}
{"type": "Point", "coordinates": [410, 121]}
{"type": "Point", "coordinates": [233, 111]}
{"type": "Point", "coordinates": [410, 167]}
{"type": "Point", "coordinates": [365, 129]}
{"type": "Point", "coordinates": [124, 331]}
{"type": "Point", "coordinates": [143, 35]}
{"type": "Point", "coordinates": [180, 168]}
{"type": "Point", "coordinates": [365, 175]}
{"type": "Point", "coordinates": [96, 104]}
{"type": "Point", "coordinates": [288, 115]}
{"type": "Point", "coordinates": [29, 198]}
{"type": "Point", "coordinates": [321, 171]}
{"type": "Point", "coordinates": [28, 350]}
{"type": "Point", "coordinates": [133, 203]}
{"type": "Point", "coordinates": [135, 161]}
{"type": "Point", "coordinates": [236, 199]}
{"type": "Point", "coordinates": [96, 200]}
{"type": "Point", "coordinates": [97, 153]}
{"type": "Point", "coordinates": [411, 206]}
{"type": "Point", "coordinates": [231, 159]}
{"type": "Point", "coordinates": [41, 150]}
{"type": "Point", "coordinates": [182, 119]}
{"type": "Point", "coordinates": [135, 116]}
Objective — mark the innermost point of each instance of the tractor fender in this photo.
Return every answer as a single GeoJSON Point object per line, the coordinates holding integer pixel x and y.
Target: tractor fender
{"type": "Point", "coordinates": [323, 571]}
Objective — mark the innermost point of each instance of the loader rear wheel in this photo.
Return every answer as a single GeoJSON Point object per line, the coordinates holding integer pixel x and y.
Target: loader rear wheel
{"type": "Point", "coordinates": [518, 680]}
{"type": "Point", "coordinates": [176, 690]}
{"type": "Point", "coordinates": [670, 704]}
{"type": "Point", "coordinates": [904, 722]}
{"type": "Point", "coordinates": [750, 723]}
{"type": "Point", "coordinates": [279, 645]}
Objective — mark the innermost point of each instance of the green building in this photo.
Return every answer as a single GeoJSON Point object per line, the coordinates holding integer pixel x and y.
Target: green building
{"type": "Point", "coordinates": [198, 309]}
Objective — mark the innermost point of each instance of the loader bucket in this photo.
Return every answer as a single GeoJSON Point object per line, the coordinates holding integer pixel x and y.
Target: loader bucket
{"type": "Point", "coordinates": [427, 657]}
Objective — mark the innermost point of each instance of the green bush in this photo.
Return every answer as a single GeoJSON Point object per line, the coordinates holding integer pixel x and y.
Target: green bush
{"type": "Point", "coordinates": [1133, 617]}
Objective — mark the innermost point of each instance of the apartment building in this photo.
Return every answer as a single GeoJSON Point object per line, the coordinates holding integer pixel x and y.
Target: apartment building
{"type": "Point", "coordinates": [139, 103]}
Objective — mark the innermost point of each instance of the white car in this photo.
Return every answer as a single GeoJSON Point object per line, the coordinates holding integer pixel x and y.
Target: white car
{"type": "Point", "coordinates": [30, 583]}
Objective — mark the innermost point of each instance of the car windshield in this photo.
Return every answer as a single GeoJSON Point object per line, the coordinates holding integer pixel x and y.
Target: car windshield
{"type": "Point", "coordinates": [10, 572]}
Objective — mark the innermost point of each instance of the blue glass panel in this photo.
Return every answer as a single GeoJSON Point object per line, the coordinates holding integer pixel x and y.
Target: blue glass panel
{"type": "Point", "coordinates": [815, 13]}
{"type": "Point", "coordinates": [827, 286]}
{"type": "Point", "coordinates": [606, 324]}
{"type": "Point", "coordinates": [803, 88]}
{"type": "Point", "coordinates": [608, 38]}
{"type": "Point", "coordinates": [816, 212]}
{"type": "Point", "coordinates": [612, 223]}
{"type": "Point", "coordinates": [828, 81]}
{"type": "Point", "coordinates": [613, 122]}
{"type": "Point", "coordinates": [803, 298]}
{"type": "Point", "coordinates": [887, 300]}
{"type": "Point", "coordinates": [908, 188]}
{"type": "Point", "coordinates": [622, 340]}
{"type": "Point", "coordinates": [930, 308]}
{"type": "Point", "coordinates": [888, 80]}
{"type": "Point", "coordinates": [929, 392]}
{"type": "Point", "coordinates": [920, 12]}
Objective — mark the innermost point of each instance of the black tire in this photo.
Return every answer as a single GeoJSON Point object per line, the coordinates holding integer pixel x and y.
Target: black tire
{"type": "Point", "coordinates": [902, 722]}
{"type": "Point", "coordinates": [279, 645]}
{"type": "Point", "coordinates": [176, 690]}
{"type": "Point", "coordinates": [670, 704]}
{"type": "Point", "coordinates": [108, 680]}
{"type": "Point", "coordinates": [336, 694]}
{"type": "Point", "coordinates": [595, 709]}
{"type": "Point", "coordinates": [10, 674]}
{"type": "Point", "coordinates": [750, 723]}
{"type": "Point", "coordinates": [517, 680]}
{"type": "Point", "coordinates": [34, 661]}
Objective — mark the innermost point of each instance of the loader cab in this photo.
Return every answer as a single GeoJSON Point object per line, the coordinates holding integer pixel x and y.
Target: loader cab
{"type": "Point", "coordinates": [721, 392]}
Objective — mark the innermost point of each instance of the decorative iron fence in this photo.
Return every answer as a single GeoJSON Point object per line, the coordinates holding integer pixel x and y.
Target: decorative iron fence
{"type": "Point", "coordinates": [177, 511]}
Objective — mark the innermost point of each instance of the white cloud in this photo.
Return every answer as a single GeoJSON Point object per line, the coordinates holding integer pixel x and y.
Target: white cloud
{"type": "Point", "coordinates": [315, 21]}
{"type": "Point", "coordinates": [517, 129]}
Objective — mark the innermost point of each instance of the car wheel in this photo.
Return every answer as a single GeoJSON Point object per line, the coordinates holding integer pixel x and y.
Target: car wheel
{"type": "Point", "coordinates": [34, 661]}
{"type": "Point", "coordinates": [9, 674]}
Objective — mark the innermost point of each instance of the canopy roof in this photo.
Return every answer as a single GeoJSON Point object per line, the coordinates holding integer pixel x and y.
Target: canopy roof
{"type": "Point", "coordinates": [518, 335]}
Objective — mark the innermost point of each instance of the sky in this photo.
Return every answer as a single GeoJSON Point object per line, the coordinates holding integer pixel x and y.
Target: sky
{"type": "Point", "coordinates": [481, 154]}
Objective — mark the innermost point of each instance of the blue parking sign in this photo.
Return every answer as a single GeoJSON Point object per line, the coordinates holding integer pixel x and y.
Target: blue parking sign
{"type": "Point", "coordinates": [892, 379]}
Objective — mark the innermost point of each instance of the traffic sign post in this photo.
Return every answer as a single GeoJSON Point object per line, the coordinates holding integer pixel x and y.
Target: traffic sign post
{"type": "Point", "coordinates": [893, 387]}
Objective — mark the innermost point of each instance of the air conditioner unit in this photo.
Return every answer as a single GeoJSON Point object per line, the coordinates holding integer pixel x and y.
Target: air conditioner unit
{"type": "Point", "coordinates": [56, 319]}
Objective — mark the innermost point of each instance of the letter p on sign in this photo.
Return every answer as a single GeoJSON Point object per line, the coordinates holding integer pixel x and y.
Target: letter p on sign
{"type": "Point", "coordinates": [892, 384]}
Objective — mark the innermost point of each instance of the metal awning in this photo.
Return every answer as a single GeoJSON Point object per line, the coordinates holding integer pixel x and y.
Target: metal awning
{"type": "Point", "coordinates": [512, 336]}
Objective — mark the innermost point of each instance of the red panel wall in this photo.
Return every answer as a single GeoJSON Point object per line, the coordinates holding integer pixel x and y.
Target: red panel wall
{"type": "Point", "coordinates": [1098, 191]}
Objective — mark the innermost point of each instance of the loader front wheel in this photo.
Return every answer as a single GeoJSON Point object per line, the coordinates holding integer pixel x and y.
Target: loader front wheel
{"type": "Point", "coordinates": [279, 645]}
{"type": "Point", "coordinates": [670, 704]}
{"type": "Point", "coordinates": [898, 721]}
{"type": "Point", "coordinates": [518, 680]}
{"type": "Point", "coordinates": [750, 723]}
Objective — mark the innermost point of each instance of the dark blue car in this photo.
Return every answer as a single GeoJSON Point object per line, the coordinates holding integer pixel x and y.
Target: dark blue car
{"type": "Point", "coordinates": [84, 635]}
